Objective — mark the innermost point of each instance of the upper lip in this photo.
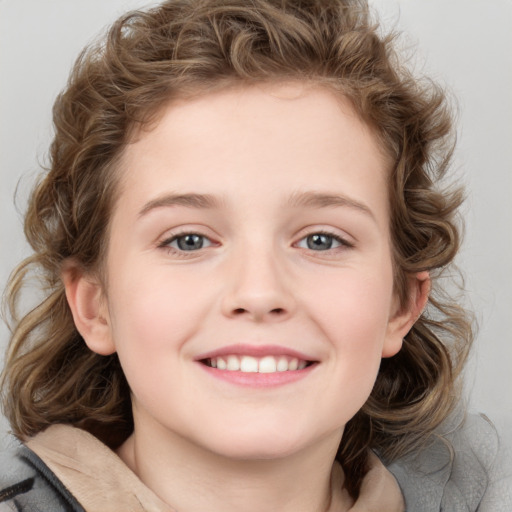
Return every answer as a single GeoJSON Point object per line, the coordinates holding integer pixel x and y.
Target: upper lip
{"type": "Point", "coordinates": [254, 351]}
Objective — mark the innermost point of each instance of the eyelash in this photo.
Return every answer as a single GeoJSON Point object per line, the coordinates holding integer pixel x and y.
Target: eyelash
{"type": "Point", "coordinates": [343, 242]}
{"type": "Point", "coordinates": [166, 244]}
{"type": "Point", "coordinates": [183, 253]}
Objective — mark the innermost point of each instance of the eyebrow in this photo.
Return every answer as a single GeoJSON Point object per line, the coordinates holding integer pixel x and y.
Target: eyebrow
{"type": "Point", "coordinates": [322, 200]}
{"type": "Point", "coordinates": [297, 200]}
{"type": "Point", "coordinates": [201, 201]}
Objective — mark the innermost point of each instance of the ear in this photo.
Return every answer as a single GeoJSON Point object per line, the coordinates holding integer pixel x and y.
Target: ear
{"type": "Point", "coordinates": [87, 302]}
{"type": "Point", "coordinates": [402, 319]}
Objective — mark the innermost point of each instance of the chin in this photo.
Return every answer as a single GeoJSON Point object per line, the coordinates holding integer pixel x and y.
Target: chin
{"type": "Point", "coordinates": [261, 451]}
{"type": "Point", "coordinates": [258, 444]}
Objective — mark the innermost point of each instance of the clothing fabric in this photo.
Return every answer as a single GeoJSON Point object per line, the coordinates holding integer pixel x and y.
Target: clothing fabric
{"type": "Point", "coordinates": [83, 474]}
{"type": "Point", "coordinates": [67, 469]}
{"type": "Point", "coordinates": [466, 468]}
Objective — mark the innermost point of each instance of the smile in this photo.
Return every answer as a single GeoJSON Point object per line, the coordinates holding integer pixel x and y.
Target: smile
{"type": "Point", "coordinates": [257, 366]}
{"type": "Point", "coordinates": [250, 364]}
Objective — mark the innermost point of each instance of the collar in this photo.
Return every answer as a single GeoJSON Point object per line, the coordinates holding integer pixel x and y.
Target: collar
{"type": "Point", "coordinates": [100, 480]}
{"type": "Point", "coordinates": [92, 472]}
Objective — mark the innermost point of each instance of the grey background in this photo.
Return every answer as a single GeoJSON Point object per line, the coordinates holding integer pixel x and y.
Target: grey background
{"type": "Point", "coordinates": [465, 44]}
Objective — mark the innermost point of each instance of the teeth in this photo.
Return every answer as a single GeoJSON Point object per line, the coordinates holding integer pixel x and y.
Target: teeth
{"type": "Point", "coordinates": [268, 365]}
{"type": "Point", "coordinates": [282, 364]}
{"type": "Point", "coordinates": [249, 364]}
{"type": "Point", "coordinates": [233, 363]}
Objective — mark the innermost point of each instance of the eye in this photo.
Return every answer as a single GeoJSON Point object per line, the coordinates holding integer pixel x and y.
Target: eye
{"type": "Point", "coordinates": [321, 242]}
{"type": "Point", "coordinates": [188, 242]}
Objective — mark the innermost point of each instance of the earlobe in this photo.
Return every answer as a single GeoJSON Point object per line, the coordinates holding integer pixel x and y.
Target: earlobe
{"type": "Point", "coordinates": [402, 320]}
{"type": "Point", "coordinates": [85, 297]}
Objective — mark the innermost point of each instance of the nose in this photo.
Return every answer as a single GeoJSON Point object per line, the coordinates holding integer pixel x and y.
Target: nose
{"type": "Point", "coordinates": [258, 288]}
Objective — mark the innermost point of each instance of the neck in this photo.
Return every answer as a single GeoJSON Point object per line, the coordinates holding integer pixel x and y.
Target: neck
{"type": "Point", "coordinates": [192, 479]}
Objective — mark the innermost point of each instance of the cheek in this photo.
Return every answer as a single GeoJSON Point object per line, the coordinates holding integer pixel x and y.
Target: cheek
{"type": "Point", "coordinates": [154, 315]}
{"type": "Point", "coordinates": [155, 307]}
{"type": "Point", "coordinates": [356, 305]}
{"type": "Point", "coordinates": [353, 314]}
{"type": "Point", "coordinates": [356, 327]}
{"type": "Point", "coordinates": [150, 322]}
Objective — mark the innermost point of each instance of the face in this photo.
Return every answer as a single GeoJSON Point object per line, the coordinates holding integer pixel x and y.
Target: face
{"type": "Point", "coordinates": [249, 277]}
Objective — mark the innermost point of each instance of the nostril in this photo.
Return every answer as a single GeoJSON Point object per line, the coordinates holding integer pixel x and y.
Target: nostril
{"type": "Point", "coordinates": [275, 311]}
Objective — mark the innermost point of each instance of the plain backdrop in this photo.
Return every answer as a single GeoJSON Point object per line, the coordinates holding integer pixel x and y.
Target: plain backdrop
{"type": "Point", "coordinates": [464, 44]}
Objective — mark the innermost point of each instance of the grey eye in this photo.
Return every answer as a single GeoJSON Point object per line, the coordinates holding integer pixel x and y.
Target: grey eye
{"type": "Point", "coordinates": [319, 242]}
{"type": "Point", "coordinates": [189, 242]}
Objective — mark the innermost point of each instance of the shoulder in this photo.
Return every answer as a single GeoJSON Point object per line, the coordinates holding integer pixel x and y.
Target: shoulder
{"type": "Point", "coordinates": [462, 469]}
{"type": "Point", "coordinates": [26, 483]}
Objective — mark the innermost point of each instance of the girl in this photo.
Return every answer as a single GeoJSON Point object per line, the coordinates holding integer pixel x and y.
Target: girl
{"type": "Point", "coordinates": [240, 239]}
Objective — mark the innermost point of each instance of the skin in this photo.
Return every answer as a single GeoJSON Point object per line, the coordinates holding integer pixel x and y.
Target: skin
{"type": "Point", "coordinates": [261, 153]}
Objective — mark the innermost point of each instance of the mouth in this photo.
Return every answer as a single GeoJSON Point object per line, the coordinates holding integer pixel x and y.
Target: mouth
{"type": "Point", "coordinates": [251, 364]}
{"type": "Point", "coordinates": [257, 366]}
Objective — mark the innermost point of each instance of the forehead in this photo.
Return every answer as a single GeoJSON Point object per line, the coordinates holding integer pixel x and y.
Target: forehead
{"type": "Point", "coordinates": [292, 133]}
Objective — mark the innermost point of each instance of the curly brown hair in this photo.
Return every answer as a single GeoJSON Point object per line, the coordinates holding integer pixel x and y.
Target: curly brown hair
{"type": "Point", "coordinates": [188, 47]}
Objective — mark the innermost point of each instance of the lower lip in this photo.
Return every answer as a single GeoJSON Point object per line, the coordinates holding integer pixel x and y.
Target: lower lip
{"type": "Point", "coordinates": [259, 380]}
